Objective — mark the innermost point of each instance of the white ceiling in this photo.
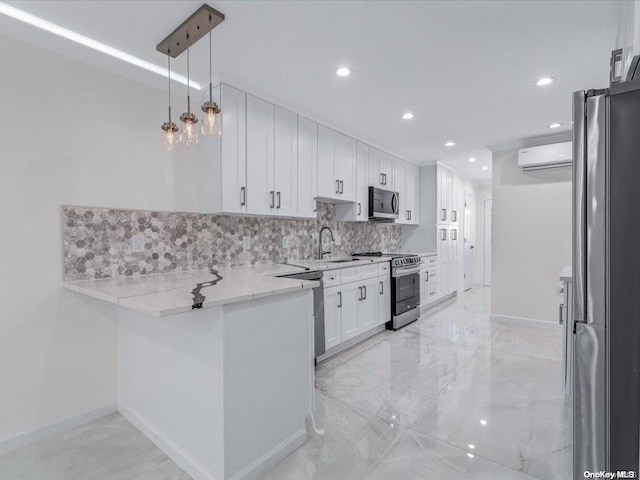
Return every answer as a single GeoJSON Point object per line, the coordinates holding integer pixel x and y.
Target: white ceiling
{"type": "Point", "coordinates": [465, 68]}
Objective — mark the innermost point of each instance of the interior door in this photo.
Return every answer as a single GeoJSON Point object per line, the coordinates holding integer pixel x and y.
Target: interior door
{"type": "Point", "coordinates": [486, 262]}
{"type": "Point", "coordinates": [469, 239]}
{"type": "Point", "coordinates": [260, 156]}
{"type": "Point", "coordinates": [286, 162]}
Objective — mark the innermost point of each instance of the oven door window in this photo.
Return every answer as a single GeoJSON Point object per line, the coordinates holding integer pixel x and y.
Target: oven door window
{"type": "Point", "coordinates": [407, 293]}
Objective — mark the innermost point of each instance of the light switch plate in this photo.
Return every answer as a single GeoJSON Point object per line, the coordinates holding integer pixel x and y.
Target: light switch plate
{"type": "Point", "coordinates": [338, 239]}
{"type": "Point", "coordinates": [137, 243]}
{"type": "Point", "coordinates": [246, 242]}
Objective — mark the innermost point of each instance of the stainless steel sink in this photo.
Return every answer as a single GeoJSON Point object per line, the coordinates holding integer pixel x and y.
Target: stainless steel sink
{"type": "Point", "coordinates": [344, 260]}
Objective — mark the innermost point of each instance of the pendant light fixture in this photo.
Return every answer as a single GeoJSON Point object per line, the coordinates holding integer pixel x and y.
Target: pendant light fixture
{"type": "Point", "coordinates": [189, 133]}
{"type": "Point", "coordinates": [201, 22]}
{"type": "Point", "coordinates": [211, 119]}
{"type": "Point", "coordinates": [169, 129]}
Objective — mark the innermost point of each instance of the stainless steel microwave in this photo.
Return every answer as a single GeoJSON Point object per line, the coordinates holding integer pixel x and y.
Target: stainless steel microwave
{"type": "Point", "coordinates": [384, 205]}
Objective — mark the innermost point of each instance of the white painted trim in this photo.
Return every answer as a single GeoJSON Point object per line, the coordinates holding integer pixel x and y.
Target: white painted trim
{"type": "Point", "coordinates": [67, 423]}
{"type": "Point", "coordinates": [185, 461]}
{"type": "Point", "coordinates": [263, 464]}
{"type": "Point", "coordinates": [509, 320]}
{"type": "Point", "coordinates": [532, 142]}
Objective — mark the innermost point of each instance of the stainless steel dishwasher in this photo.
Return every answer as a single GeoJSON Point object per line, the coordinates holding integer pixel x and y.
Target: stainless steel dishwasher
{"type": "Point", "coordinates": [318, 307]}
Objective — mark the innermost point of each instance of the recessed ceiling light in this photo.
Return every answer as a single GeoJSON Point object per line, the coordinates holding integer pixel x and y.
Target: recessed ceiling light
{"type": "Point", "coordinates": [472, 446]}
{"type": "Point", "coordinates": [470, 455]}
{"type": "Point", "coordinates": [483, 422]}
{"type": "Point", "coordinates": [449, 144]}
{"type": "Point", "coordinates": [485, 168]}
{"type": "Point", "coordinates": [90, 43]}
{"type": "Point", "coordinates": [408, 116]}
{"type": "Point", "coordinates": [541, 82]}
{"type": "Point", "coordinates": [554, 125]}
{"type": "Point", "coordinates": [472, 159]}
{"type": "Point", "coordinates": [343, 72]}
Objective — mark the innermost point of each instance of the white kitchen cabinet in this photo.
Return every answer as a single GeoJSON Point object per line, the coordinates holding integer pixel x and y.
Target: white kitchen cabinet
{"type": "Point", "coordinates": [368, 305]}
{"type": "Point", "coordinates": [336, 165]}
{"type": "Point", "coordinates": [224, 161]}
{"type": "Point", "coordinates": [412, 193]}
{"type": "Point", "coordinates": [261, 197]}
{"type": "Point", "coordinates": [381, 166]}
{"type": "Point", "coordinates": [307, 167]}
{"type": "Point", "coordinates": [332, 317]}
{"type": "Point", "coordinates": [349, 311]}
{"type": "Point", "coordinates": [399, 178]}
{"type": "Point", "coordinates": [286, 163]}
{"type": "Point", "coordinates": [357, 211]}
{"type": "Point", "coordinates": [384, 299]}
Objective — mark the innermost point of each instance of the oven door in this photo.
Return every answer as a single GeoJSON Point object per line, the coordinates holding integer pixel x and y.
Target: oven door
{"type": "Point", "coordinates": [406, 289]}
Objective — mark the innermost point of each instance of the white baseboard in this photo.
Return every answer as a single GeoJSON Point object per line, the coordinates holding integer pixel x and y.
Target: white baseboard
{"type": "Point", "coordinates": [185, 461]}
{"type": "Point", "coordinates": [509, 320]}
{"type": "Point", "coordinates": [262, 465]}
{"type": "Point", "coordinates": [40, 433]}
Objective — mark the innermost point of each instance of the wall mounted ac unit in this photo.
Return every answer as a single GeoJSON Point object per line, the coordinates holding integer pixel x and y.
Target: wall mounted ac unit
{"type": "Point", "coordinates": [557, 155]}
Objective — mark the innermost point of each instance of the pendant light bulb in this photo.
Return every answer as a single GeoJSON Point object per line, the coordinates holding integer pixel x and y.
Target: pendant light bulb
{"type": "Point", "coordinates": [211, 118]}
{"type": "Point", "coordinates": [170, 132]}
{"type": "Point", "coordinates": [189, 133]}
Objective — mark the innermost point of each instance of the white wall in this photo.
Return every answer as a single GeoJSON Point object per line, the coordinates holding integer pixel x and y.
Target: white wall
{"type": "Point", "coordinates": [531, 238]}
{"type": "Point", "coordinates": [71, 134]}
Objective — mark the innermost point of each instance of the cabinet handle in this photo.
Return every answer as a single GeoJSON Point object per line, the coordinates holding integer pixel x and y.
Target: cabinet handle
{"type": "Point", "coordinates": [432, 293]}
{"type": "Point", "coordinates": [561, 314]}
{"type": "Point", "coordinates": [341, 186]}
{"type": "Point", "coordinates": [243, 196]}
{"type": "Point", "coordinates": [443, 235]}
{"type": "Point", "coordinates": [443, 215]}
{"type": "Point", "coordinates": [359, 294]}
{"type": "Point", "coordinates": [339, 299]}
{"type": "Point", "coordinates": [359, 209]}
{"type": "Point", "coordinates": [381, 288]}
{"type": "Point", "coordinates": [337, 186]}
{"type": "Point", "coordinates": [364, 289]}
{"type": "Point", "coordinates": [315, 204]}
{"type": "Point", "coordinates": [454, 215]}
{"type": "Point", "coordinates": [454, 234]}
{"type": "Point", "coordinates": [384, 175]}
{"type": "Point", "coordinates": [279, 200]}
{"type": "Point", "coordinates": [382, 179]}
{"type": "Point", "coordinates": [272, 198]}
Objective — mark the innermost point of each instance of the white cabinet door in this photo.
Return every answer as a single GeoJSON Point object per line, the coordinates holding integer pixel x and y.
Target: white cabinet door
{"type": "Point", "coordinates": [399, 176]}
{"type": "Point", "coordinates": [332, 326]}
{"type": "Point", "coordinates": [362, 185]}
{"type": "Point", "coordinates": [233, 154]}
{"type": "Point", "coordinates": [307, 167]}
{"type": "Point", "coordinates": [375, 176]}
{"type": "Point", "coordinates": [455, 191]}
{"type": "Point", "coordinates": [386, 169]}
{"type": "Point", "coordinates": [384, 299]}
{"type": "Point", "coordinates": [327, 179]}
{"type": "Point", "coordinates": [260, 156]}
{"type": "Point", "coordinates": [442, 244]}
{"type": "Point", "coordinates": [351, 294]}
{"type": "Point", "coordinates": [424, 280]}
{"type": "Point", "coordinates": [441, 212]}
{"type": "Point", "coordinates": [368, 306]}
{"type": "Point", "coordinates": [412, 189]}
{"type": "Point", "coordinates": [286, 162]}
{"type": "Point", "coordinates": [345, 157]}
{"type": "Point", "coordinates": [453, 259]}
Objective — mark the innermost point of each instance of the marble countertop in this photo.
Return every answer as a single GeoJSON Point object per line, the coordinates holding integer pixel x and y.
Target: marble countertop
{"type": "Point", "coordinates": [566, 275]}
{"type": "Point", "coordinates": [162, 294]}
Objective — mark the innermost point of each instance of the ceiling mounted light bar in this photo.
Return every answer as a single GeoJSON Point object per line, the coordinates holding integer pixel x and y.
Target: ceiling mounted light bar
{"type": "Point", "coordinates": [55, 29]}
{"type": "Point", "coordinates": [192, 29]}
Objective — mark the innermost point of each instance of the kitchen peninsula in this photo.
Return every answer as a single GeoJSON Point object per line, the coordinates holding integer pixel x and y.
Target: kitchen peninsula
{"type": "Point", "coordinates": [215, 366]}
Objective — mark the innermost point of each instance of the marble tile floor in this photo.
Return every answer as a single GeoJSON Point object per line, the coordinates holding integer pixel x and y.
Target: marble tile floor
{"type": "Point", "coordinates": [452, 395]}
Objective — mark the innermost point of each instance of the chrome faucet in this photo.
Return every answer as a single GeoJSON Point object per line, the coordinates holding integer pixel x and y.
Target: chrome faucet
{"type": "Point", "coordinates": [320, 252]}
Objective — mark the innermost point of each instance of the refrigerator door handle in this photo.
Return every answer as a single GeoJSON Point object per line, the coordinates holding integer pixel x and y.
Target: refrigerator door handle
{"type": "Point", "coordinates": [579, 205]}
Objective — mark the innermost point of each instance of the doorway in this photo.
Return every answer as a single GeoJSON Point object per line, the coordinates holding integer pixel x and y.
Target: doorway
{"type": "Point", "coordinates": [469, 239]}
{"type": "Point", "coordinates": [486, 266]}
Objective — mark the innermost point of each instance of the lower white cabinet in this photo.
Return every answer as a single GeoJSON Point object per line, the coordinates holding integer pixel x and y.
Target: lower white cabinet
{"type": "Point", "coordinates": [357, 305]}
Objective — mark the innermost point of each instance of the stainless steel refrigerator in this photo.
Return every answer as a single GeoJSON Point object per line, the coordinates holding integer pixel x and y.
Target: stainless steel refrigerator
{"type": "Point", "coordinates": [606, 275]}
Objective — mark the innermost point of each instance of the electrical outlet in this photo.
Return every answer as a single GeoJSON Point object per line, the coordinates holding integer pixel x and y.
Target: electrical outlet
{"type": "Point", "coordinates": [285, 241]}
{"type": "Point", "coordinates": [338, 239]}
{"type": "Point", "coordinates": [137, 243]}
{"type": "Point", "coordinates": [246, 242]}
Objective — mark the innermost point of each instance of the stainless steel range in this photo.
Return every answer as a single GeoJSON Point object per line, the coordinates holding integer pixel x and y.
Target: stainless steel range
{"type": "Point", "coordinates": [405, 287]}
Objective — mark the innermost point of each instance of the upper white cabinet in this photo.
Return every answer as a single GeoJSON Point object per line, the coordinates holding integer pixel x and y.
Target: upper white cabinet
{"type": "Point", "coordinates": [406, 178]}
{"type": "Point", "coordinates": [261, 196]}
{"type": "Point", "coordinates": [336, 165]}
{"type": "Point", "coordinates": [286, 163]}
{"type": "Point", "coordinates": [448, 189]}
{"type": "Point", "coordinates": [381, 169]}
{"type": "Point", "coordinates": [224, 161]}
{"type": "Point", "coordinates": [359, 210]}
{"type": "Point", "coordinates": [307, 167]}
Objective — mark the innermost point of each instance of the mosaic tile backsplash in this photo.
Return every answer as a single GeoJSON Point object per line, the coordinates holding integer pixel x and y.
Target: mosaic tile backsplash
{"type": "Point", "coordinates": [97, 241]}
